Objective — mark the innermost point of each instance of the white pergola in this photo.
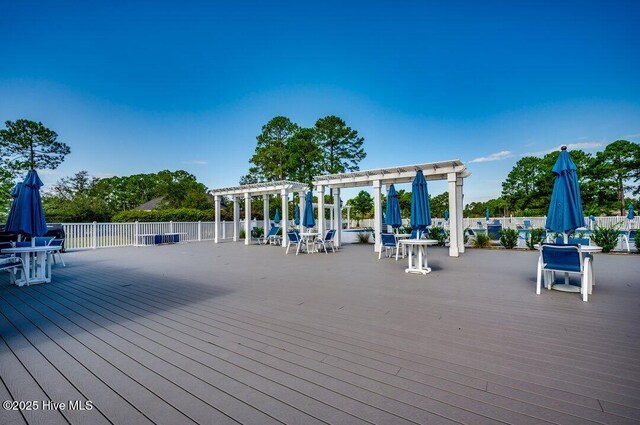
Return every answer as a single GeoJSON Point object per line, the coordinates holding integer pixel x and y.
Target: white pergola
{"type": "Point", "coordinates": [282, 188]}
{"type": "Point", "coordinates": [452, 171]}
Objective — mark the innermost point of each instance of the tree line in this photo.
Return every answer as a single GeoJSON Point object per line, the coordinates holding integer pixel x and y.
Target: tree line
{"type": "Point", "coordinates": [81, 198]}
{"type": "Point", "coordinates": [609, 179]}
{"type": "Point", "coordinates": [287, 151]}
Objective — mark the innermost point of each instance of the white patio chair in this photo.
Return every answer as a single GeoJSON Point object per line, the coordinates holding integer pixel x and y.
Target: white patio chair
{"type": "Point", "coordinates": [389, 243]}
{"type": "Point", "coordinates": [565, 259]}
{"type": "Point", "coordinates": [60, 243]}
{"type": "Point", "coordinates": [294, 239]}
{"type": "Point", "coordinates": [328, 240]}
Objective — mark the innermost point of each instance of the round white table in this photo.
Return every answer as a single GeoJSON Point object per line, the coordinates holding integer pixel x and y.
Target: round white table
{"type": "Point", "coordinates": [422, 265]}
{"type": "Point", "coordinates": [38, 271]}
{"type": "Point", "coordinates": [309, 237]}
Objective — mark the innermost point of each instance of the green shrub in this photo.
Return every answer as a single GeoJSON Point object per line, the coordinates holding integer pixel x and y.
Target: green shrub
{"type": "Point", "coordinates": [536, 236]}
{"type": "Point", "coordinates": [363, 237]}
{"type": "Point", "coordinates": [257, 232]}
{"type": "Point", "coordinates": [439, 234]}
{"type": "Point", "coordinates": [482, 240]}
{"type": "Point", "coordinates": [509, 238]}
{"type": "Point", "coordinates": [606, 237]}
{"type": "Point", "coordinates": [242, 234]}
{"type": "Point", "coordinates": [405, 229]}
{"type": "Point", "coordinates": [177, 214]}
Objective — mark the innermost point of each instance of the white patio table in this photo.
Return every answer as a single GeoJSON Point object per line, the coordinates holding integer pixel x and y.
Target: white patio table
{"type": "Point", "coordinates": [38, 271]}
{"type": "Point", "coordinates": [422, 265]}
{"type": "Point", "coordinates": [309, 238]}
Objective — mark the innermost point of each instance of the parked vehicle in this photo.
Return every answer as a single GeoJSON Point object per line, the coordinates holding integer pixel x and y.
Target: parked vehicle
{"type": "Point", "coordinates": [53, 230]}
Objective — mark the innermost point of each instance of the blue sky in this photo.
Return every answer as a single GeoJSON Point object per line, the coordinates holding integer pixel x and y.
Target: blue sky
{"type": "Point", "coordinates": [187, 85]}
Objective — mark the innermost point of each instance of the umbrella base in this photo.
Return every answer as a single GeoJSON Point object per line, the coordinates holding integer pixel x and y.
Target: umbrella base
{"type": "Point", "coordinates": [564, 287]}
{"type": "Point", "coordinates": [423, 270]}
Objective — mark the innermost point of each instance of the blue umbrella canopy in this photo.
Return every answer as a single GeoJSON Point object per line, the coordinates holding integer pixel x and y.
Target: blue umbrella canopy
{"type": "Point", "coordinates": [26, 215]}
{"type": "Point", "coordinates": [13, 211]}
{"type": "Point", "coordinates": [308, 220]}
{"type": "Point", "coordinates": [296, 215]}
{"type": "Point", "coordinates": [630, 213]}
{"type": "Point", "coordinates": [446, 215]}
{"type": "Point", "coordinates": [393, 218]}
{"type": "Point", "coordinates": [486, 214]}
{"type": "Point", "coordinates": [276, 218]}
{"type": "Point", "coordinates": [565, 210]}
{"type": "Point", "coordinates": [420, 208]}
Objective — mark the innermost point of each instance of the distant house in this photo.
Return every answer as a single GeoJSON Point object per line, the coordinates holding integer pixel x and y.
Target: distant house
{"type": "Point", "coordinates": [151, 205]}
{"type": "Point", "coordinates": [156, 202]}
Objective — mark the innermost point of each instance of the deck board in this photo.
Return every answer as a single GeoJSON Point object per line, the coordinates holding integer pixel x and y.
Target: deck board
{"type": "Point", "coordinates": [205, 333]}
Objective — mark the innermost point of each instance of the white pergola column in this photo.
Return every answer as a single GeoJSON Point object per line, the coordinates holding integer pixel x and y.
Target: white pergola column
{"type": "Point", "coordinates": [337, 215]}
{"type": "Point", "coordinates": [301, 203]}
{"type": "Point", "coordinates": [320, 222]}
{"type": "Point", "coordinates": [247, 219]}
{"type": "Point", "coordinates": [377, 214]}
{"type": "Point", "coordinates": [459, 207]}
{"type": "Point", "coordinates": [385, 227]}
{"type": "Point", "coordinates": [236, 217]}
{"type": "Point", "coordinates": [216, 220]}
{"type": "Point", "coordinates": [454, 215]}
{"type": "Point", "coordinates": [331, 216]}
{"type": "Point", "coordinates": [265, 212]}
{"type": "Point", "coordinates": [285, 216]}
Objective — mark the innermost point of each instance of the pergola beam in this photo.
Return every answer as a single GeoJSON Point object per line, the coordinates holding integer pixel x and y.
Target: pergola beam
{"type": "Point", "coordinates": [258, 189]}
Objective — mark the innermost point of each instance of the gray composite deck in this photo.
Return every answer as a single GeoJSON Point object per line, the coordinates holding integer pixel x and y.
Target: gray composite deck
{"type": "Point", "coordinates": [217, 334]}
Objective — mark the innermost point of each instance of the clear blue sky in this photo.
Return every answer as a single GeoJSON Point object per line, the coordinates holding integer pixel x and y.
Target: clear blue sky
{"type": "Point", "coordinates": [187, 85]}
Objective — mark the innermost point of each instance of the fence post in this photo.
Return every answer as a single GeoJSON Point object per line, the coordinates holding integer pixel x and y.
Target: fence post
{"type": "Point", "coordinates": [224, 229]}
{"type": "Point", "coordinates": [171, 227]}
{"type": "Point", "coordinates": [137, 233]}
{"type": "Point", "coordinates": [94, 236]}
{"type": "Point", "coordinates": [199, 230]}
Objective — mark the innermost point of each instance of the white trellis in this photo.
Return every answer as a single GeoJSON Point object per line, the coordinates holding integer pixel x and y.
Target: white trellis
{"type": "Point", "coordinates": [452, 171]}
{"type": "Point", "coordinates": [283, 188]}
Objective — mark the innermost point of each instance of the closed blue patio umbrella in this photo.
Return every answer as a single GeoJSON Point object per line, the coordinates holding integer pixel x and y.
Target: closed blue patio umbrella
{"type": "Point", "coordinates": [420, 208]}
{"type": "Point", "coordinates": [13, 211]}
{"type": "Point", "coordinates": [276, 218]}
{"type": "Point", "coordinates": [630, 213]}
{"type": "Point", "coordinates": [296, 215]}
{"type": "Point", "coordinates": [308, 220]}
{"type": "Point", "coordinates": [26, 216]}
{"type": "Point", "coordinates": [486, 214]}
{"type": "Point", "coordinates": [565, 210]}
{"type": "Point", "coordinates": [446, 215]}
{"type": "Point", "coordinates": [393, 218]}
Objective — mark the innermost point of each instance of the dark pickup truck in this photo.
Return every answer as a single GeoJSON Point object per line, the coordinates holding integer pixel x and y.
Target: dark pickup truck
{"type": "Point", "coordinates": [54, 230]}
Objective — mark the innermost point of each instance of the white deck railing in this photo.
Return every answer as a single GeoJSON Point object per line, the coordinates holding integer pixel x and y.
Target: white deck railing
{"type": "Point", "coordinates": [107, 235]}
{"type": "Point", "coordinates": [514, 222]}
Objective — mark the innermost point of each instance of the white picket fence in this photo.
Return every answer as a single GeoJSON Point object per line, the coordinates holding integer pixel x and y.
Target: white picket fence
{"type": "Point", "coordinates": [515, 222]}
{"type": "Point", "coordinates": [108, 235]}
